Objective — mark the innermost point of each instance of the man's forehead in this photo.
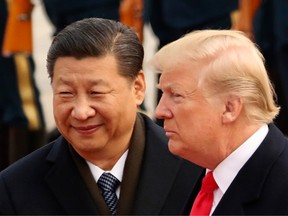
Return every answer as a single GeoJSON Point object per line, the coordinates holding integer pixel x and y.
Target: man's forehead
{"type": "Point", "coordinates": [167, 82]}
{"type": "Point", "coordinates": [167, 59]}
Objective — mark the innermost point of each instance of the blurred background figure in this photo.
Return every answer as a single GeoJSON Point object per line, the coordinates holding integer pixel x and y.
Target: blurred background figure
{"type": "Point", "coordinates": [171, 19]}
{"type": "Point", "coordinates": [131, 14]}
{"type": "Point", "coordinates": [64, 12]}
{"type": "Point", "coordinates": [22, 126]}
{"type": "Point", "coordinates": [266, 21]}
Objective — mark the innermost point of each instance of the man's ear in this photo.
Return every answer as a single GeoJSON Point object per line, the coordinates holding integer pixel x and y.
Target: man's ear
{"type": "Point", "coordinates": [233, 108]}
{"type": "Point", "coordinates": [140, 87]}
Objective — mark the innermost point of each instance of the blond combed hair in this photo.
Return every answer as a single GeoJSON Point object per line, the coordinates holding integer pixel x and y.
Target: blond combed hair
{"type": "Point", "coordinates": [230, 62]}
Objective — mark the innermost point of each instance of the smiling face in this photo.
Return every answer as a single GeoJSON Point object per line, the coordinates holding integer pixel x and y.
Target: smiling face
{"type": "Point", "coordinates": [94, 106]}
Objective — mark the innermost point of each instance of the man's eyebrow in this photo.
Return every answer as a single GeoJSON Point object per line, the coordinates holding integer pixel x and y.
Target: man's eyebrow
{"type": "Point", "coordinates": [167, 86]}
{"type": "Point", "coordinates": [99, 82]}
{"type": "Point", "coordinates": [92, 82]}
{"type": "Point", "coordinates": [64, 81]}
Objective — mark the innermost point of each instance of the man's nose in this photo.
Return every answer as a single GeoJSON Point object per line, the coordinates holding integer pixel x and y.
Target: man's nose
{"type": "Point", "coordinates": [82, 109]}
{"type": "Point", "coordinates": [162, 111]}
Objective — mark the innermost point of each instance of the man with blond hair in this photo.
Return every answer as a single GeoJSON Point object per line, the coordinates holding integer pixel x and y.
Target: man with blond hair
{"type": "Point", "coordinates": [218, 109]}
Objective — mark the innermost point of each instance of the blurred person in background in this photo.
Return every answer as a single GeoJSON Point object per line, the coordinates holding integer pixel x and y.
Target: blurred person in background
{"type": "Point", "coordinates": [64, 12]}
{"type": "Point", "coordinates": [266, 22]}
{"type": "Point", "coordinates": [22, 127]}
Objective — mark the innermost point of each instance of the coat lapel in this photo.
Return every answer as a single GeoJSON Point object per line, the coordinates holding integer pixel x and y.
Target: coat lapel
{"type": "Point", "coordinates": [247, 185]}
{"type": "Point", "coordinates": [132, 169]}
{"type": "Point", "coordinates": [66, 183]}
{"type": "Point", "coordinates": [90, 183]}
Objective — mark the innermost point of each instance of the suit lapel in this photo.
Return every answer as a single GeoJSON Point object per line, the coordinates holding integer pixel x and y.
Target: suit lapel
{"type": "Point", "coordinates": [132, 169]}
{"type": "Point", "coordinates": [90, 182]}
{"type": "Point", "coordinates": [66, 183]}
{"type": "Point", "coordinates": [247, 185]}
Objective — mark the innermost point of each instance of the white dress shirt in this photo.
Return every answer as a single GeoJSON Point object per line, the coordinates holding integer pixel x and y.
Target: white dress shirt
{"type": "Point", "coordinates": [117, 170]}
{"type": "Point", "coordinates": [227, 170]}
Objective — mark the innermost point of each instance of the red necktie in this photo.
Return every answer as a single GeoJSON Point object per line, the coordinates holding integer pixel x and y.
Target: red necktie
{"type": "Point", "coordinates": [203, 202]}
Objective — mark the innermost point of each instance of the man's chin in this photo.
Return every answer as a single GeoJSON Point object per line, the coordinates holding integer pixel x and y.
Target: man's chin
{"type": "Point", "coordinates": [173, 148]}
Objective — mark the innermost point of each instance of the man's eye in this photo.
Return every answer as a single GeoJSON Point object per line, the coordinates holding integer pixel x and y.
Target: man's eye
{"type": "Point", "coordinates": [66, 94]}
{"type": "Point", "coordinates": [176, 95]}
{"type": "Point", "coordinates": [96, 93]}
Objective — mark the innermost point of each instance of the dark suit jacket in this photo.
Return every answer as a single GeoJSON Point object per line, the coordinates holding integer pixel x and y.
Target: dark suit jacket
{"type": "Point", "coordinates": [261, 186]}
{"type": "Point", "coordinates": [48, 181]}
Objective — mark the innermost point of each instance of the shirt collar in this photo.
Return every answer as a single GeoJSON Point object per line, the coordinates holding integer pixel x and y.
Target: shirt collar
{"type": "Point", "coordinates": [117, 169]}
{"type": "Point", "coordinates": [226, 171]}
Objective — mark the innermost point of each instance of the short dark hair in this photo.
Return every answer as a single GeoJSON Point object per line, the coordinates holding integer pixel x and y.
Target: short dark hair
{"type": "Point", "coordinates": [98, 37]}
